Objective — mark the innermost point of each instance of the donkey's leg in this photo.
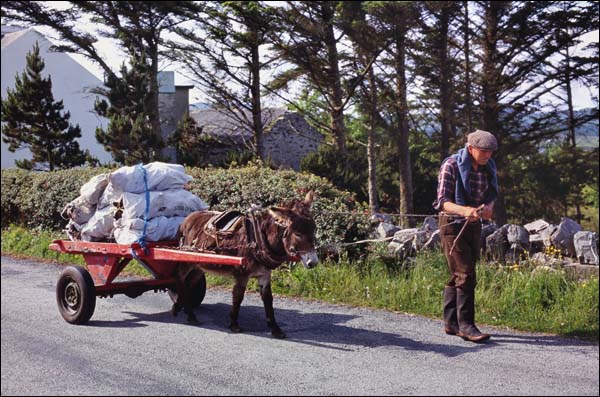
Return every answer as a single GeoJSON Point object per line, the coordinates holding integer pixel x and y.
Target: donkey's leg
{"type": "Point", "coordinates": [188, 306]}
{"type": "Point", "coordinates": [239, 289]}
{"type": "Point", "coordinates": [179, 286]}
{"type": "Point", "coordinates": [267, 297]}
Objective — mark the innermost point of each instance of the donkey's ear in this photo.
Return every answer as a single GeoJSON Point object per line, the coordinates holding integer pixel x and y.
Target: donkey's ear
{"type": "Point", "coordinates": [308, 200]}
{"type": "Point", "coordinates": [283, 216]}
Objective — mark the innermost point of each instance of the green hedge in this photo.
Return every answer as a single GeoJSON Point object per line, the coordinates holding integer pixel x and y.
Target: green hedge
{"type": "Point", "coordinates": [35, 199]}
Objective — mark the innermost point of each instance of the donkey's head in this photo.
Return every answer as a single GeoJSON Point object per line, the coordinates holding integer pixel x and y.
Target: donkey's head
{"type": "Point", "coordinates": [299, 233]}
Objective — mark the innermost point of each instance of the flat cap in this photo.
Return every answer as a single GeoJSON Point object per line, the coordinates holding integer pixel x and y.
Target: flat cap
{"type": "Point", "coordinates": [482, 140]}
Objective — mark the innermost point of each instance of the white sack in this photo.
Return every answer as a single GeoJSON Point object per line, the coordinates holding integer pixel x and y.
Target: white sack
{"type": "Point", "coordinates": [162, 228]}
{"type": "Point", "coordinates": [160, 176]}
{"type": "Point", "coordinates": [79, 210]}
{"type": "Point", "coordinates": [100, 226]}
{"type": "Point", "coordinates": [73, 230]}
{"type": "Point", "coordinates": [109, 197]}
{"type": "Point", "coordinates": [174, 202]}
{"type": "Point", "coordinates": [93, 189]}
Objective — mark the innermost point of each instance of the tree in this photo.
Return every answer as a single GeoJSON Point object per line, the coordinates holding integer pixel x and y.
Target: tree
{"type": "Point", "coordinates": [396, 19]}
{"type": "Point", "coordinates": [32, 119]}
{"type": "Point", "coordinates": [567, 23]}
{"type": "Point", "coordinates": [305, 37]}
{"type": "Point", "coordinates": [136, 25]}
{"type": "Point", "coordinates": [437, 65]}
{"type": "Point", "coordinates": [193, 146]}
{"type": "Point", "coordinates": [222, 54]}
{"type": "Point", "coordinates": [514, 78]}
{"type": "Point", "coordinates": [367, 46]}
{"type": "Point", "coordinates": [130, 136]}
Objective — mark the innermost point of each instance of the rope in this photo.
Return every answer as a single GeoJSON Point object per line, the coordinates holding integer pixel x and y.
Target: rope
{"type": "Point", "coordinates": [388, 238]}
{"type": "Point", "coordinates": [142, 240]}
{"type": "Point", "coordinates": [375, 214]}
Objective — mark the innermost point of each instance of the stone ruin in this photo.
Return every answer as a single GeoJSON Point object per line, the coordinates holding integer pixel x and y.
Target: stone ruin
{"type": "Point", "coordinates": [553, 246]}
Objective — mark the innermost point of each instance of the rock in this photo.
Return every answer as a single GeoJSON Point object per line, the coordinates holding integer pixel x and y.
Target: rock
{"type": "Point", "coordinates": [516, 234]}
{"type": "Point", "coordinates": [386, 230]}
{"type": "Point", "coordinates": [586, 247]}
{"type": "Point", "coordinates": [404, 235]}
{"type": "Point", "coordinates": [536, 243]}
{"type": "Point", "coordinates": [433, 242]}
{"type": "Point", "coordinates": [486, 230]}
{"type": "Point", "coordinates": [543, 259]}
{"type": "Point", "coordinates": [581, 272]}
{"type": "Point", "coordinates": [406, 242]}
{"type": "Point", "coordinates": [378, 218]}
{"type": "Point", "coordinates": [562, 237]}
{"type": "Point", "coordinates": [536, 226]}
{"type": "Point", "coordinates": [430, 224]}
{"type": "Point", "coordinates": [497, 244]}
{"type": "Point", "coordinates": [518, 238]}
{"type": "Point", "coordinates": [419, 240]}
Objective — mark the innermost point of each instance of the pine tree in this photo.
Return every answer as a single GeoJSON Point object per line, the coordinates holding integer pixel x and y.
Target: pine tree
{"type": "Point", "coordinates": [192, 146]}
{"type": "Point", "coordinates": [130, 136]}
{"type": "Point", "coordinates": [32, 119]}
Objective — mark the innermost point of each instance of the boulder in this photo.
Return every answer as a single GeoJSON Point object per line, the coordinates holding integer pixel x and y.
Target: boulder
{"type": "Point", "coordinates": [433, 242]}
{"type": "Point", "coordinates": [562, 236]}
{"type": "Point", "coordinates": [497, 244]}
{"type": "Point", "coordinates": [536, 226]}
{"type": "Point", "coordinates": [430, 224]}
{"type": "Point", "coordinates": [378, 218]}
{"type": "Point", "coordinates": [385, 230]}
{"type": "Point", "coordinates": [542, 259]}
{"type": "Point", "coordinates": [486, 230]}
{"type": "Point", "coordinates": [536, 243]}
{"type": "Point", "coordinates": [586, 247]}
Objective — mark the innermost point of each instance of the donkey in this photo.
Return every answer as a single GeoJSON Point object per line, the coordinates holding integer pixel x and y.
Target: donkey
{"type": "Point", "coordinates": [267, 239]}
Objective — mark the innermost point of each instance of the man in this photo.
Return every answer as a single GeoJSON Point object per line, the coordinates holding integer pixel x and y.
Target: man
{"type": "Point", "coordinates": [467, 188]}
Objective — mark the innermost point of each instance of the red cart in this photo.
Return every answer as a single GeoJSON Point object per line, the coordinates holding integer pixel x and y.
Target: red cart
{"type": "Point", "coordinates": [77, 288]}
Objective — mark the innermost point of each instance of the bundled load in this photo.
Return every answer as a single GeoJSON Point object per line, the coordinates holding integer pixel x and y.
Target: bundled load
{"type": "Point", "coordinates": [139, 202]}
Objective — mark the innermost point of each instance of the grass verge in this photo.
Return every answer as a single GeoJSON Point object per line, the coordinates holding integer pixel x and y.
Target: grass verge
{"type": "Point", "coordinates": [519, 297]}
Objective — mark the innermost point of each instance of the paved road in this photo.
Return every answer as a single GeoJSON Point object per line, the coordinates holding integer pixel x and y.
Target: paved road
{"type": "Point", "coordinates": [135, 347]}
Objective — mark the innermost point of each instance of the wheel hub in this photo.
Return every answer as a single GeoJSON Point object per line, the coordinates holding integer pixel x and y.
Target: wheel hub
{"type": "Point", "coordinates": [72, 296]}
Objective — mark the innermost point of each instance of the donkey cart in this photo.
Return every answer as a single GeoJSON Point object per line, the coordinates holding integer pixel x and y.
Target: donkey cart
{"type": "Point", "coordinates": [77, 288]}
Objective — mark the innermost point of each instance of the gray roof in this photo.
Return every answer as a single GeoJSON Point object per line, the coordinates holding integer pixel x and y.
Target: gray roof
{"type": "Point", "coordinates": [218, 123]}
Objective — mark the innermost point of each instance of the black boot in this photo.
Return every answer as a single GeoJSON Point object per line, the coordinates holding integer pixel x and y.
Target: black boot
{"type": "Point", "coordinates": [450, 319]}
{"type": "Point", "coordinates": [465, 300]}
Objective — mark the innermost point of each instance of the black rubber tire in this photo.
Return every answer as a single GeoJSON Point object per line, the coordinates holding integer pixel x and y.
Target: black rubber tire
{"type": "Point", "coordinates": [198, 290]}
{"type": "Point", "coordinates": [76, 295]}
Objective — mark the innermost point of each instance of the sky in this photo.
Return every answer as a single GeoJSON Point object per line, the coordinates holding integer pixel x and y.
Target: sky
{"type": "Point", "coordinates": [114, 56]}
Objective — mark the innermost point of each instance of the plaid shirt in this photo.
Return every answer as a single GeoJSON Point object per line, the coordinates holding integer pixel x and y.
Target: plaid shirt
{"type": "Point", "coordinates": [447, 184]}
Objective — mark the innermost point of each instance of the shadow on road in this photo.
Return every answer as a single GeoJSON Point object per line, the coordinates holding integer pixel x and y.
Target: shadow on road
{"type": "Point", "coordinates": [328, 330]}
{"type": "Point", "coordinates": [324, 330]}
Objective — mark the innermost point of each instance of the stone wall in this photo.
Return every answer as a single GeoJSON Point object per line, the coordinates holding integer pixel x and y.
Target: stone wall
{"type": "Point", "coordinates": [289, 140]}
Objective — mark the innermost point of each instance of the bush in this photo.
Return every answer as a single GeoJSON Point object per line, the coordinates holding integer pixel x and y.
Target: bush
{"type": "Point", "coordinates": [35, 199]}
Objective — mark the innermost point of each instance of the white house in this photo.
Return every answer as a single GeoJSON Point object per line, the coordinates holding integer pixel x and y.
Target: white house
{"type": "Point", "coordinates": [70, 83]}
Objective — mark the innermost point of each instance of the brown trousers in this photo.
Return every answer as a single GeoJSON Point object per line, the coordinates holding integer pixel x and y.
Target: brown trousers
{"type": "Point", "coordinates": [465, 255]}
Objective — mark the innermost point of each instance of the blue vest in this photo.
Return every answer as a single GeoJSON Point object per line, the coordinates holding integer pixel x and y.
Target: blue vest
{"type": "Point", "coordinates": [462, 191]}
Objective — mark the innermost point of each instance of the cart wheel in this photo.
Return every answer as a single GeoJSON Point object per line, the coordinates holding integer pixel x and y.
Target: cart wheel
{"type": "Point", "coordinates": [76, 295]}
{"type": "Point", "coordinates": [198, 290]}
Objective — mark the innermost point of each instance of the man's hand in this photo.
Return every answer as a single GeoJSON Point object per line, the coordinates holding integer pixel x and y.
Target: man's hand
{"type": "Point", "coordinates": [473, 214]}
{"type": "Point", "coordinates": [487, 211]}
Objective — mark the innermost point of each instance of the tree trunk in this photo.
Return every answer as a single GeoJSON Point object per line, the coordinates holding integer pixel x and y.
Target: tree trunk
{"type": "Point", "coordinates": [571, 114]}
{"type": "Point", "coordinates": [338, 127]}
{"type": "Point", "coordinates": [491, 88]}
{"type": "Point", "coordinates": [445, 88]}
{"type": "Point", "coordinates": [406, 191]}
{"type": "Point", "coordinates": [467, 69]}
{"type": "Point", "coordinates": [257, 124]}
{"type": "Point", "coordinates": [154, 106]}
{"type": "Point", "coordinates": [373, 202]}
